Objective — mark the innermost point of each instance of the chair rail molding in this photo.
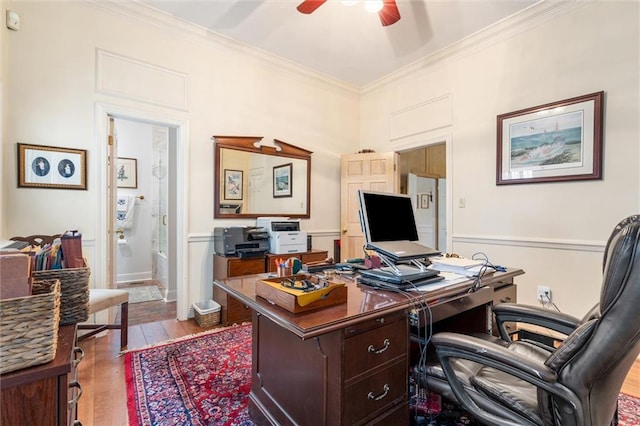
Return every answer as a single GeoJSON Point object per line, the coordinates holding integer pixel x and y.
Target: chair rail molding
{"type": "Point", "coordinates": [532, 242]}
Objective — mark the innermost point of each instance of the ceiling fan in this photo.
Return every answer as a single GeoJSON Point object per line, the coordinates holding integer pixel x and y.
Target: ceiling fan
{"type": "Point", "coordinates": [389, 13]}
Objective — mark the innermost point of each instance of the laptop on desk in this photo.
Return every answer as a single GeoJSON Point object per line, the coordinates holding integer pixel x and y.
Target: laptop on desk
{"type": "Point", "coordinates": [404, 273]}
{"type": "Point", "coordinates": [402, 250]}
{"type": "Point", "coordinates": [381, 283]}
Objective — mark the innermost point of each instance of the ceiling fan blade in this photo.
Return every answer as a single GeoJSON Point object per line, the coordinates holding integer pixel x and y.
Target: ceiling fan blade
{"type": "Point", "coordinates": [389, 14]}
{"type": "Point", "coordinates": [308, 6]}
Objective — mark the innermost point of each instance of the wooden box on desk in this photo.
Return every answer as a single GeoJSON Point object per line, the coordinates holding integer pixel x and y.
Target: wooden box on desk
{"type": "Point", "coordinates": [334, 294]}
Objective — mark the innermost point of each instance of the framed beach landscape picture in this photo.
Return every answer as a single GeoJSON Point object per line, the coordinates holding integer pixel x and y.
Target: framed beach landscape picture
{"type": "Point", "coordinates": [560, 141]}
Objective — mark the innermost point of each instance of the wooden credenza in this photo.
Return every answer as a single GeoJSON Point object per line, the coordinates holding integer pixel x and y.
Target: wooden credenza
{"type": "Point", "coordinates": [47, 394]}
{"type": "Point", "coordinates": [306, 257]}
{"type": "Point", "coordinates": [233, 311]}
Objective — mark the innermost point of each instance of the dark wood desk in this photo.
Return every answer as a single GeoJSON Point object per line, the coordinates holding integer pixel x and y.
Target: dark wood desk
{"type": "Point", "coordinates": [349, 363]}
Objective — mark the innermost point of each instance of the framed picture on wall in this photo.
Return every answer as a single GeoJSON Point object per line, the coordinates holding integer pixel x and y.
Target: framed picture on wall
{"type": "Point", "coordinates": [233, 184]}
{"type": "Point", "coordinates": [127, 172]}
{"type": "Point", "coordinates": [560, 141]}
{"type": "Point", "coordinates": [282, 181]}
{"type": "Point", "coordinates": [42, 166]}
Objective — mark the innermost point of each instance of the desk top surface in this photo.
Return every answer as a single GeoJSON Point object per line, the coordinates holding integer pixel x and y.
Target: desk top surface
{"type": "Point", "coordinates": [362, 301]}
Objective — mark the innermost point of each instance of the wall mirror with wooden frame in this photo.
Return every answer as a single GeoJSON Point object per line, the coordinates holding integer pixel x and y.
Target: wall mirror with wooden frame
{"type": "Point", "coordinates": [253, 180]}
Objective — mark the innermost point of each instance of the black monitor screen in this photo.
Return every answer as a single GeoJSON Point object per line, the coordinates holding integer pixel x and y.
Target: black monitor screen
{"type": "Point", "coordinates": [387, 217]}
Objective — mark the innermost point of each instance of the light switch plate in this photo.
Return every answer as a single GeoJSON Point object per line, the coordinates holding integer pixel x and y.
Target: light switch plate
{"type": "Point", "coordinates": [13, 20]}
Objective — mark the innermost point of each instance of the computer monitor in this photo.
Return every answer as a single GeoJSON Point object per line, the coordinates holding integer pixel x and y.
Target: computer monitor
{"type": "Point", "coordinates": [387, 217]}
{"type": "Point", "coordinates": [389, 225]}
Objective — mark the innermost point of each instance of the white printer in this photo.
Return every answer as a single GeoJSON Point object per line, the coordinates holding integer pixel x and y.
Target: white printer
{"type": "Point", "coordinates": [285, 235]}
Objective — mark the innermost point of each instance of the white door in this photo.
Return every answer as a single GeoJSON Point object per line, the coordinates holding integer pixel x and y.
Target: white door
{"type": "Point", "coordinates": [371, 171]}
{"type": "Point", "coordinates": [423, 192]}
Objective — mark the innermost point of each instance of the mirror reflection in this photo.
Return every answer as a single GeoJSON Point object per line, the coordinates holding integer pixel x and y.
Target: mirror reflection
{"type": "Point", "coordinates": [253, 180]}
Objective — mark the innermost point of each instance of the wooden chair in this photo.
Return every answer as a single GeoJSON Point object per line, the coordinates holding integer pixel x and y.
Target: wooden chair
{"type": "Point", "coordinates": [99, 299]}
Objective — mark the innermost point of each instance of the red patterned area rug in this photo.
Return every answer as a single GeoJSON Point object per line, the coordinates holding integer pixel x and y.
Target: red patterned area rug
{"type": "Point", "coordinates": [628, 410]}
{"type": "Point", "coordinates": [205, 380]}
{"type": "Point", "coordinates": [200, 380]}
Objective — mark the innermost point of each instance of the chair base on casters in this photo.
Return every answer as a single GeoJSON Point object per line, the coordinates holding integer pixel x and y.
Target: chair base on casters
{"type": "Point", "coordinates": [100, 299]}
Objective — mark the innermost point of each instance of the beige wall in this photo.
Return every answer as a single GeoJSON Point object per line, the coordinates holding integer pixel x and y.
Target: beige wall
{"type": "Point", "coordinates": [71, 59]}
{"type": "Point", "coordinates": [555, 231]}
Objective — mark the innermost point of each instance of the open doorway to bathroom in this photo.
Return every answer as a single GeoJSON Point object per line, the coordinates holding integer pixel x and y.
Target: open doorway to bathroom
{"type": "Point", "coordinates": [141, 220]}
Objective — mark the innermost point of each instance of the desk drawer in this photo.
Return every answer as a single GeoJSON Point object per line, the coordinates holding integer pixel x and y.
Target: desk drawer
{"type": "Point", "coordinates": [372, 348]}
{"type": "Point", "coordinates": [507, 294]}
{"type": "Point", "coordinates": [237, 312]}
{"type": "Point", "coordinates": [454, 305]}
{"type": "Point", "coordinates": [379, 392]}
{"type": "Point", "coordinates": [239, 267]}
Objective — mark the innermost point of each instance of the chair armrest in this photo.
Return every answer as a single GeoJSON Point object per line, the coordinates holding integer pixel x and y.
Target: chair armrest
{"type": "Point", "coordinates": [513, 312]}
{"type": "Point", "coordinates": [479, 350]}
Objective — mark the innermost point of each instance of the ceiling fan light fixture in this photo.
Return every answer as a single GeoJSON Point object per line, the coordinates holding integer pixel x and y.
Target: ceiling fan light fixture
{"type": "Point", "coordinates": [373, 6]}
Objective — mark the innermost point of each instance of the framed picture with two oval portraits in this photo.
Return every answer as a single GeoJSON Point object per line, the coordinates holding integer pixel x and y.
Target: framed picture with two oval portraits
{"type": "Point", "coordinates": [41, 166]}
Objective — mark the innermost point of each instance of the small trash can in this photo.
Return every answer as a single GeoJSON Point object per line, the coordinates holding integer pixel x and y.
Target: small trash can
{"type": "Point", "coordinates": [207, 313]}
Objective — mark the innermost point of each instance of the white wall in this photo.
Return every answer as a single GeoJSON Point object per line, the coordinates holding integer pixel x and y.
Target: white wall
{"type": "Point", "coordinates": [73, 58]}
{"type": "Point", "coordinates": [554, 231]}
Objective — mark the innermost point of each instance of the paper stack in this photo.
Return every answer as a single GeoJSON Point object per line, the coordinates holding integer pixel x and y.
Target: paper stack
{"type": "Point", "coordinates": [458, 265]}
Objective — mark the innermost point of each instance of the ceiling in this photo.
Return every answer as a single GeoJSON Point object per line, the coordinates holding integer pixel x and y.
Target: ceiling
{"type": "Point", "coordinates": [344, 42]}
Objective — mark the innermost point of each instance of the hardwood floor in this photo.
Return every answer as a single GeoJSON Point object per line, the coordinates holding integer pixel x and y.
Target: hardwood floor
{"type": "Point", "coordinates": [153, 311]}
{"type": "Point", "coordinates": [101, 372]}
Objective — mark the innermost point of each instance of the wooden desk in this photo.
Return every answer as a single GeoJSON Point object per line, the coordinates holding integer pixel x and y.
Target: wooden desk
{"type": "Point", "coordinates": [349, 363]}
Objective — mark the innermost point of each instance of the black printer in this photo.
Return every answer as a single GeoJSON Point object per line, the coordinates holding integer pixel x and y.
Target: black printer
{"type": "Point", "coordinates": [240, 241]}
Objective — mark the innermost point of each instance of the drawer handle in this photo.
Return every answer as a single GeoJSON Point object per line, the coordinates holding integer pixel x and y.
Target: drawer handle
{"type": "Point", "coordinates": [505, 300]}
{"type": "Point", "coordinates": [385, 392]}
{"type": "Point", "coordinates": [373, 350]}
{"type": "Point", "coordinates": [76, 397]}
{"type": "Point", "coordinates": [77, 358]}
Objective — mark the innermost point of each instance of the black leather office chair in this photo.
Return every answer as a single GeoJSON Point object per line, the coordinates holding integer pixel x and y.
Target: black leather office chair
{"type": "Point", "coordinates": [524, 383]}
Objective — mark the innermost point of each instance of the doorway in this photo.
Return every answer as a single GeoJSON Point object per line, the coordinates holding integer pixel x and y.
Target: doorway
{"type": "Point", "coordinates": [173, 241]}
{"type": "Point", "coordinates": [423, 176]}
{"type": "Point", "coordinates": [141, 218]}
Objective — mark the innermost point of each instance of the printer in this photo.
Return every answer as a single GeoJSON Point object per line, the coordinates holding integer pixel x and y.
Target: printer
{"type": "Point", "coordinates": [285, 235]}
{"type": "Point", "coordinates": [240, 241]}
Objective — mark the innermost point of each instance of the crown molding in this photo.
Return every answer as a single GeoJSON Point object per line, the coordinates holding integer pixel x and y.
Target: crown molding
{"type": "Point", "coordinates": [138, 11]}
{"type": "Point", "coordinates": [531, 17]}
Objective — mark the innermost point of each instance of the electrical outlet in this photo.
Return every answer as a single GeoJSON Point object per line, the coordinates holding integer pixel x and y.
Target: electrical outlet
{"type": "Point", "coordinates": [544, 294]}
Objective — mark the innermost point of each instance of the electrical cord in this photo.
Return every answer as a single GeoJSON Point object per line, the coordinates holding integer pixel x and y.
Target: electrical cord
{"type": "Point", "coordinates": [421, 313]}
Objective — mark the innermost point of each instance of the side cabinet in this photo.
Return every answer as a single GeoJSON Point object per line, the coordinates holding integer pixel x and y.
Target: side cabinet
{"type": "Point", "coordinates": [47, 394]}
{"type": "Point", "coordinates": [232, 311]}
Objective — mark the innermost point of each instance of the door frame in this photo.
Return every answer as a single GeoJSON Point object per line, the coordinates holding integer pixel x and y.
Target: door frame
{"type": "Point", "coordinates": [104, 232]}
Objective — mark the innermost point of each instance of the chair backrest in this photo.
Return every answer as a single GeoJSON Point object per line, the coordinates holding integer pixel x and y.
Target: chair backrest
{"type": "Point", "coordinates": [37, 240]}
{"type": "Point", "coordinates": [594, 360]}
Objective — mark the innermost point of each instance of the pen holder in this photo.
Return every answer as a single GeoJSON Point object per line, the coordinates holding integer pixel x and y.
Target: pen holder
{"type": "Point", "coordinates": [284, 271]}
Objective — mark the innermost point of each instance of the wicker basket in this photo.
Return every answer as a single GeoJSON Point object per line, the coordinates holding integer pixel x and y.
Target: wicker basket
{"type": "Point", "coordinates": [207, 313]}
{"type": "Point", "coordinates": [74, 292]}
{"type": "Point", "coordinates": [29, 327]}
